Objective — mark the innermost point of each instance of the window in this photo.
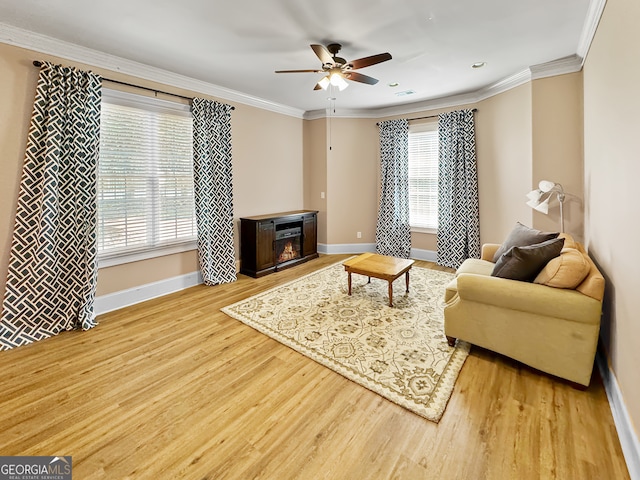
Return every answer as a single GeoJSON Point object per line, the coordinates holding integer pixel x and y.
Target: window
{"type": "Point", "coordinates": [145, 178]}
{"type": "Point", "coordinates": [423, 176]}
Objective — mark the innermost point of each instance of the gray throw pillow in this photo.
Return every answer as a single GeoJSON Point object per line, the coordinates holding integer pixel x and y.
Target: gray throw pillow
{"type": "Point", "coordinates": [524, 263]}
{"type": "Point", "coordinates": [521, 236]}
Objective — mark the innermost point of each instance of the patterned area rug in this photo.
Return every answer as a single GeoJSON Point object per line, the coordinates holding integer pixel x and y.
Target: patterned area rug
{"type": "Point", "coordinates": [398, 352]}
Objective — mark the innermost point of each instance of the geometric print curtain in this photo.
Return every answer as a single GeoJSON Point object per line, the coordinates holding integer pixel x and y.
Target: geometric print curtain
{"type": "Point", "coordinates": [458, 209]}
{"type": "Point", "coordinates": [213, 189]}
{"type": "Point", "coordinates": [393, 233]}
{"type": "Point", "coordinates": [52, 271]}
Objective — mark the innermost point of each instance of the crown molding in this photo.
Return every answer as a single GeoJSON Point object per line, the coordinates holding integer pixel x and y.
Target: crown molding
{"type": "Point", "coordinates": [561, 66]}
{"type": "Point", "coordinates": [504, 85]}
{"type": "Point", "coordinates": [594, 13]}
{"type": "Point", "coordinates": [433, 104]}
{"type": "Point", "coordinates": [40, 43]}
{"type": "Point", "coordinates": [570, 64]}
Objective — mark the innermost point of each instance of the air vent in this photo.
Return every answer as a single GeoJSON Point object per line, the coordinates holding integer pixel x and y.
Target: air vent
{"type": "Point", "coordinates": [405, 93]}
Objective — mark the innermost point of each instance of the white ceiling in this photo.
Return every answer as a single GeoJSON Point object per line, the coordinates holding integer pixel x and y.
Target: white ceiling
{"type": "Point", "coordinates": [237, 44]}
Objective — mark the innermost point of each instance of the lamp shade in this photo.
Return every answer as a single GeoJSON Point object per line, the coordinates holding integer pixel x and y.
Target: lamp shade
{"type": "Point", "coordinates": [543, 206]}
{"type": "Point", "coordinates": [539, 199]}
{"type": "Point", "coordinates": [534, 196]}
{"type": "Point", "coordinates": [324, 82]}
{"type": "Point", "coordinates": [546, 185]}
{"type": "Point", "coordinates": [338, 80]}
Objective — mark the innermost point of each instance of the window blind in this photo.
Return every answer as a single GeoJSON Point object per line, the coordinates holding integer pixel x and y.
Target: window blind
{"type": "Point", "coordinates": [423, 176]}
{"type": "Point", "coordinates": [145, 175]}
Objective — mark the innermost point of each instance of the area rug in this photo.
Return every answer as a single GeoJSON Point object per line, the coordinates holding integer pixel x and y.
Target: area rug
{"type": "Point", "coordinates": [399, 352]}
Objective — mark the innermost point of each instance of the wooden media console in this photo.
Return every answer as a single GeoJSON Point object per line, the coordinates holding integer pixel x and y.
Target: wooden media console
{"type": "Point", "coordinates": [273, 242]}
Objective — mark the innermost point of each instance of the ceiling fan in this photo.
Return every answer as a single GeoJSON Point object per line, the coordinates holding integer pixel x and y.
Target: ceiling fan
{"type": "Point", "coordinates": [337, 69]}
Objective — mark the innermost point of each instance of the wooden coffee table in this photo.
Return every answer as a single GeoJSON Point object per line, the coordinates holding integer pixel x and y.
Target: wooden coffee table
{"type": "Point", "coordinates": [379, 266]}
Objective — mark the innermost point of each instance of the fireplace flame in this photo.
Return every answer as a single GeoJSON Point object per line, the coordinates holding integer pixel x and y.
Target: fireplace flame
{"type": "Point", "coordinates": [288, 253]}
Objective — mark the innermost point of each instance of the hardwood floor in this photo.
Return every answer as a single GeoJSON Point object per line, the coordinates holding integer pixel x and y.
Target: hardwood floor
{"type": "Point", "coordinates": [173, 388]}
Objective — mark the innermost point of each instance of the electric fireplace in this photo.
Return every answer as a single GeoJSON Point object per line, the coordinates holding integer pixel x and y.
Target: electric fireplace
{"type": "Point", "coordinates": [273, 242]}
{"type": "Point", "coordinates": [287, 244]}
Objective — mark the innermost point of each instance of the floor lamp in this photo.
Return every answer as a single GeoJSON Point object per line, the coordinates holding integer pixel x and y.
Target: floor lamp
{"type": "Point", "coordinates": [540, 197]}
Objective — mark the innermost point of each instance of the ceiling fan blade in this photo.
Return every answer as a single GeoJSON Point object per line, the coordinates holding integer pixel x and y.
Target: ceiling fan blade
{"type": "Point", "coordinates": [317, 87]}
{"type": "Point", "coordinates": [299, 71]}
{"type": "Point", "coordinates": [322, 53]}
{"type": "Point", "coordinates": [368, 61]}
{"type": "Point", "coordinates": [358, 77]}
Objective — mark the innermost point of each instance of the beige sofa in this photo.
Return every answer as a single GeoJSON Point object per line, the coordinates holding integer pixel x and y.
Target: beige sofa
{"type": "Point", "coordinates": [551, 325]}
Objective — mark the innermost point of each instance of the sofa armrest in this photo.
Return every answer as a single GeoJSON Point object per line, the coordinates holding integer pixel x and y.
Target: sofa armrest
{"type": "Point", "coordinates": [529, 297]}
{"type": "Point", "coordinates": [488, 251]}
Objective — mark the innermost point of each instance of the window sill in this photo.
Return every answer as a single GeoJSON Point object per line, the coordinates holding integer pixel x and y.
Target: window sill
{"type": "Point", "coordinates": [432, 231]}
{"type": "Point", "coordinates": [114, 259]}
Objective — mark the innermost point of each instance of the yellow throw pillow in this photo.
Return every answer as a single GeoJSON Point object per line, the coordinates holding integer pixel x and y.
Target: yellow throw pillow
{"type": "Point", "coordinates": [569, 242]}
{"type": "Point", "coordinates": [567, 270]}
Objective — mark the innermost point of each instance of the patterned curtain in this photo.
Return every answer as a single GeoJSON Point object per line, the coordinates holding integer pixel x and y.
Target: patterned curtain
{"type": "Point", "coordinates": [393, 234]}
{"type": "Point", "coordinates": [213, 190]}
{"type": "Point", "coordinates": [52, 272]}
{"type": "Point", "coordinates": [458, 211]}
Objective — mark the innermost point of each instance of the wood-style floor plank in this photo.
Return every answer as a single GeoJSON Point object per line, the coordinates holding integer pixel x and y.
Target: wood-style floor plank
{"type": "Point", "coordinates": [173, 388]}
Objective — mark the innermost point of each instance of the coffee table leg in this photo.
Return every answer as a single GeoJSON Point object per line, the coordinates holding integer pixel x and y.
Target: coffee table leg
{"type": "Point", "coordinates": [390, 293]}
{"type": "Point", "coordinates": [407, 276]}
{"type": "Point", "coordinates": [349, 283]}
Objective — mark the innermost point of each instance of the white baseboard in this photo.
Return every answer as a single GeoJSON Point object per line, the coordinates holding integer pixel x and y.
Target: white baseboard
{"type": "Point", "coordinates": [131, 296]}
{"type": "Point", "coordinates": [426, 255]}
{"type": "Point", "coordinates": [416, 253]}
{"type": "Point", "coordinates": [336, 248]}
{"type": "Point", "coordinates": [626, 432]}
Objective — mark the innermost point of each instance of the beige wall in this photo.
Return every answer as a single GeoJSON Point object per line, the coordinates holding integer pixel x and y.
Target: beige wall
{"type": "Point", "coordinates": [503, 142]}
{"type": "Point", "coordinates": [315, 172]}
{"type": "Point", "coordinates": [504, 151]}
{"type": "Point", "coordinates": [352, 180]}
{"type": "Point", "coordinates": [557, 134]}
{"type": "Point", "coordinates": [611, 173]}
{"type": "Point", "coordinates": [267, 165]}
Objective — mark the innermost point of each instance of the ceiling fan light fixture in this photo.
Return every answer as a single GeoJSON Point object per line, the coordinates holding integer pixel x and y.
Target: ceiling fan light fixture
{"type": "Point", "coordinates": [337, 70]}
{"type": "Point", "coordinates": [337, 80]}
{"type": "Point", "coordinates": [324, 82]}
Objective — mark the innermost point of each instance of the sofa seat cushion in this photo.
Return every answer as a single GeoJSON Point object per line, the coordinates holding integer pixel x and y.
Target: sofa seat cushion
{"type": "Point", "coordinates": [470, 265]}
{"type": "Point", "coordinates": [567, 270]}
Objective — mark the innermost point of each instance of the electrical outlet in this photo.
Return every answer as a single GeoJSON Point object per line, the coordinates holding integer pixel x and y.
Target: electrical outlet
{"type": "Point", "coordinates": [359, 234]}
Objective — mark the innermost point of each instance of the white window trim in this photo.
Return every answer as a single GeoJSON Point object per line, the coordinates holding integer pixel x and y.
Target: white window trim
{"type": "Point", "coordinates": [114, 259]}
{"type": "Point", "coordinates": [428, 126]}
{"type": "Point", "coordinates": [135, 100]}
{"type": "Point", "coordinates": [433, 231]}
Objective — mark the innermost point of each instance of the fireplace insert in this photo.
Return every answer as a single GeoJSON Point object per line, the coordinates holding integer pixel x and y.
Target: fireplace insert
{"type": "Point", "coordinates": [288, 244]}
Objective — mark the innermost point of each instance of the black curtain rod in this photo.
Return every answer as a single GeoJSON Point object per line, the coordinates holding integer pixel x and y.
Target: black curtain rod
{"type": "Point", "coordinates": [38, 64]}
{"type": "Point", "coordinates": [434, 116]}
{"type": "Point", "coordinates": [430, 116]}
